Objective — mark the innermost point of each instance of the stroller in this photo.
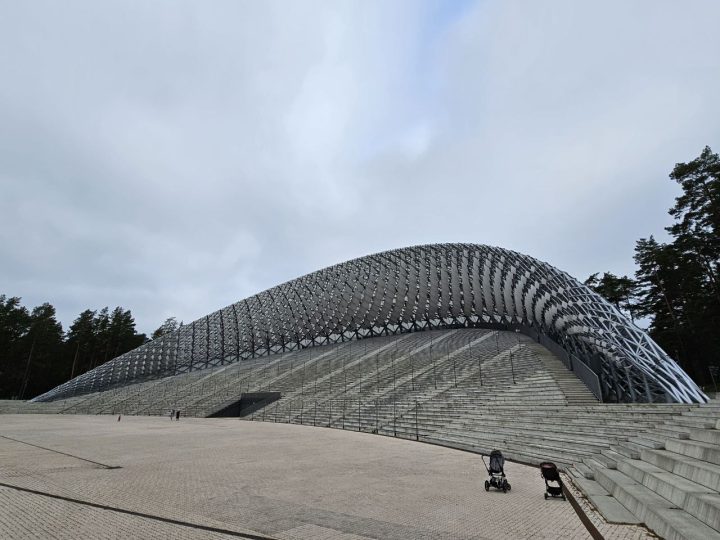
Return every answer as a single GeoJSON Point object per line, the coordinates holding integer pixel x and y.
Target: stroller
{"type": "Point", "coordinates": [550, 473]}
{"type": "Point", "coordinates": [496, 472]}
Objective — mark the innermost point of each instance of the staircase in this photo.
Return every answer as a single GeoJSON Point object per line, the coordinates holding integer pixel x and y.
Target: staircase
{"type": "Point", "coordinates": [476, 390]}
{"type": "Point", "coordinates": [667, 477]}
{"type": "Point", "coordinates": [574, 390]}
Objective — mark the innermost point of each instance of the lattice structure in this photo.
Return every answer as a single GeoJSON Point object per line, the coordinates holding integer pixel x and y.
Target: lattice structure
{"type": "Point", "coordinates": [412, 289]}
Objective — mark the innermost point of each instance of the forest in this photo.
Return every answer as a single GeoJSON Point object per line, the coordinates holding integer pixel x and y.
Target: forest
{"type": "Point", "coordinates": [37, 355]}
{"type": "Point", "coordinates": [674, 294]}
{"type": "Point", "coordinates": [675, 287]}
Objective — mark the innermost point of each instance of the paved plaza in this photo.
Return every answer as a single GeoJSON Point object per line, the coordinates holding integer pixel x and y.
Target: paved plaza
{"type": "Point", "coordinates": [149, 477]}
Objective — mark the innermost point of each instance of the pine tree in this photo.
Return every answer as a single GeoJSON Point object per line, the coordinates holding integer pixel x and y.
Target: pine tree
{"type": "Point", "coordinates": [619, 291]}
{"type": "Point", "coordinates": [14, 326]}
{"type": "Point", "coordinates": [167, 327]}
{"type": "Point", "coordinates": [80, 340]}
{"type": "Point", "coordinates": [45, 337]}
{"type": "Point", "coordinates": [697, 214]}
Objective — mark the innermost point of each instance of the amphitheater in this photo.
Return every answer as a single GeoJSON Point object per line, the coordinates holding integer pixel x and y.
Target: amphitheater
{"type": "Point", "coordinates": [460, 346]}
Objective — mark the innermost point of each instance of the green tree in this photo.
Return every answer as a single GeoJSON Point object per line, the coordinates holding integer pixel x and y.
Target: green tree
{"type": "Point", "coordinates": [696, 243]}
{"type": "Point", "coordinates": [35, 356]}
{"type": "Point", "coordinates": [167, 327]}
{"type": "Point", "coordinates": [45, 336]}
{"type": "Point", "coordinates": [123, 336]}
{"type": "Point", "coordinates": [678, 281]}
{"type": "Point", "coordinates": [697, 214]}
{"type": "Point", "coordinates": [81, 340]}
{"type": "Point", "coordinates": [14, 326]}
{"type": "Point", "coordinates": [619, 291]}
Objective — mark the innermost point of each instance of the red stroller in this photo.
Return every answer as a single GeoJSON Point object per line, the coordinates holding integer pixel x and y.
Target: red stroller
{"type": "Point", "coordinates": [550, 473]}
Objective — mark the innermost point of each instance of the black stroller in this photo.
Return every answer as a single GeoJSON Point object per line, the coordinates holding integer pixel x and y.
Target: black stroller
{"type": "Point", "coordinates": [497, 472]}
{"type": "Point", "coordinates": [550, 473]}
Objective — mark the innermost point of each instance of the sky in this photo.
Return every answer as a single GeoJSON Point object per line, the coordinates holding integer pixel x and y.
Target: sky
{"type": "Point", "coordinates": [173, 157]}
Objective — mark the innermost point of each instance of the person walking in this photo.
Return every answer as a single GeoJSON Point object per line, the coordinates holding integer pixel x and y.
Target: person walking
{"type": "Point", "coordinates": [177, 415]}
{"type": "Point", "coordinates": [172, 413]}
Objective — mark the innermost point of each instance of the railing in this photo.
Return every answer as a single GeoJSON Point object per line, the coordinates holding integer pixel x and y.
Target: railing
{"type": "Point", "coordinates": [584, 372]}
{"type": "Point", "coordinates": [587, 375]}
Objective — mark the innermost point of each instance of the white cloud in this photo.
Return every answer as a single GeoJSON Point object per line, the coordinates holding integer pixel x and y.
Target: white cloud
{"type": "Point", "coordinates": [175, 157]}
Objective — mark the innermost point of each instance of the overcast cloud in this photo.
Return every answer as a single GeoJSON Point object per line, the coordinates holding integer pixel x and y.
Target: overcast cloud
{"type": "Point", "coordinates": [174, 157]}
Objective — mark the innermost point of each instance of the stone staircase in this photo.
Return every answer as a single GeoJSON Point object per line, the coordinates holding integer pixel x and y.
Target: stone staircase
{"type": "Point", "coordinates": [574, 390]}
{"type": "Point", "coordinates": [476, 390]}
{"type": "Point", "coordinates": [17, 406]}
{"type": "Point", "coordinates": [667, 477]}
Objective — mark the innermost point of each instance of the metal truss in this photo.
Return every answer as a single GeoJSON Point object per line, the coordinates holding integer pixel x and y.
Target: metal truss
{"type": "Point", "coordinates": [406, 290]}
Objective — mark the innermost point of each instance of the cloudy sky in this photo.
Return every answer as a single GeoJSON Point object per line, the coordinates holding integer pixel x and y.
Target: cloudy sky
{"type": "Point", "coordinates": [173, 157]}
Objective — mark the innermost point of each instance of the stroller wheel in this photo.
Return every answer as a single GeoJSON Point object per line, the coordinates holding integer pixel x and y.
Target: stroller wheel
{"type": "Point", "coordinates": [487, 485]}
{"type": "Point", "coordinates": [508, 487]}
{"type": "Point", "coordinates": [504, 489]}
{"type": "Point", "coordinates": [546, 496]}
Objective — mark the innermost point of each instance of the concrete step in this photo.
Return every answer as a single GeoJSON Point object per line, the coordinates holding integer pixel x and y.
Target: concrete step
{"type": "Point", "coordinates": [612, 510]}
{"type": "Point", "coordinates": [593, 464]}
{"type": "Point", "coordinates": [696, 449]}
{"type": "Point", "coordinates": [545, 444]}
{"type": "Point", "coordinates": [711, 436]}
{"type": "Point", "coordinates": [628, 450]}
{"type": "Point", "coordinates": [699, 501]}
{"type": "Point", "coordinates": [648, 443]}
{"type": "Point", "coordinates": [606, 504]}
{"type": "Point", "coordinates": [694, 422]}
{"type": "Point", "coordinates": [611, 458]}
{"type": "Point", "coordinates": [660, 515]}
{"type": "Point", "coordinates": [699, 471]}
{"type": "Point", "coordinates": [582, 470]}
{"type": "Point", "coordinates": [709, 415]}
{"type": "Point", "coordinates": [524, 453]}
{"type": "Point", "coordinates": [673, 430]}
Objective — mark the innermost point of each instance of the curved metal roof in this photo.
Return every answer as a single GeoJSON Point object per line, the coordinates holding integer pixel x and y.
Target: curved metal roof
{"type": "Point", "coordinates": [410, 289]}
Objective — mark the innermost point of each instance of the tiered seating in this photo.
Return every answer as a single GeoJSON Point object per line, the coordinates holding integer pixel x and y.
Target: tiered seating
{"type": "Point", "coordinates": [667, 476]}
{"type": "Point", "coordinates": [104, 402]}
{"type": "Point", "coordinates": [17, 406]}
{"type": "Point", "coordinates": [476, 390]}
{"type": "Point", "coordinates": [417, 394]}
{"type": "Point", "coordinates": [279, 370]}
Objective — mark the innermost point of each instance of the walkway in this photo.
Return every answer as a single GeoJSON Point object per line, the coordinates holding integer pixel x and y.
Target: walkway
{"type": "Point", "coordinates": [92, 476]}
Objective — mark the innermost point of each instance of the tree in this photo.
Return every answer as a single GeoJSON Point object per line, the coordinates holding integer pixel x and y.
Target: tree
{"type": "Point", "coordinates": [14, 326]}
{"type": "Point", "coordinates": [167, 327]}
{"type": "Point", "coordinates": [619, 291]}
{"type": "Point", "coordinates": [114, 335]}
{"type": "Point", "coordinates": [35, 356]}
{"type": "Point", "coordinates": [45, 337]}
{"type": "Point", "coordinates": [101, 351]}
{"type": "Point", "coordinates": [696, 245]}
{"type": "Point", "coordinates": [659, 296]}
{"type": "Point", "coordinates": [677, 284]}
{"type": "Point", "coordinates": [697, 214]}
{"type": "Point", "coordinates": [81, 339]}
{"type": "Point", "coordinates": [123, 336]}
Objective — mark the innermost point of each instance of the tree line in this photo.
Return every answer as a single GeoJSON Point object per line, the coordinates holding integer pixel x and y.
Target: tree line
{"type": "Point", "coordinates": [676, 286]}
{"type": "Point", "coordinates": [36, 355]}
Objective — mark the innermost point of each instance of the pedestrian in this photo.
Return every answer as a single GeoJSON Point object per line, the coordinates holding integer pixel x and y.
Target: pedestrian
{"type": "Point", "coordinates": [177, 415]}
{"type": "Point", "coordinates": [119, 415]}
{"type": "Point", "coordinates": [172, 413]}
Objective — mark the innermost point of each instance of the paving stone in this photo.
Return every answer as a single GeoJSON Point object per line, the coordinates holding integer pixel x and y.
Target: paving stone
{"type": "Point", "coordinates": [280, 480]}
